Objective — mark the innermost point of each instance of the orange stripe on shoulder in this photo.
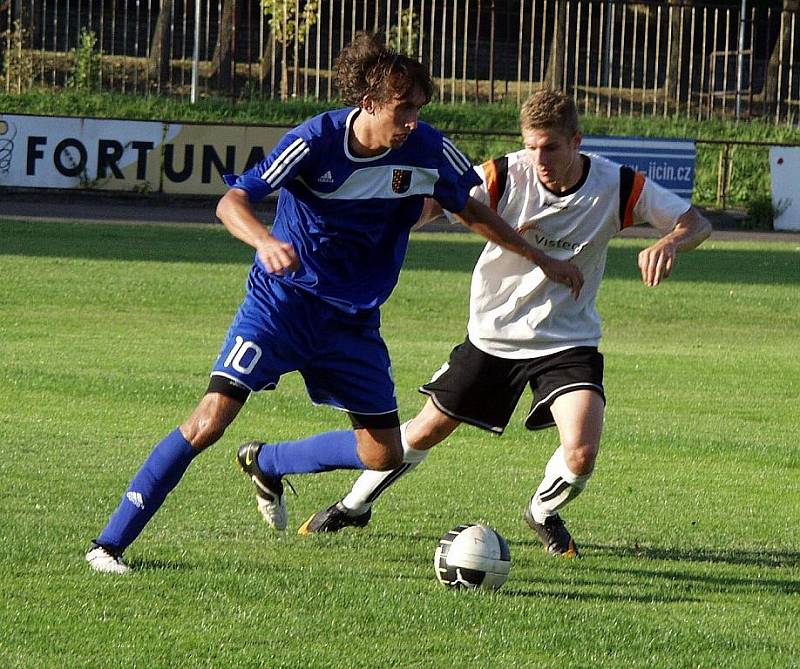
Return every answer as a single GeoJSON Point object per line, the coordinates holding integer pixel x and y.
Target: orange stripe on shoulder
{"type": "Point", "coordinates": [492, 183]}
{"type": "Point", "coordinates": [633, 198]}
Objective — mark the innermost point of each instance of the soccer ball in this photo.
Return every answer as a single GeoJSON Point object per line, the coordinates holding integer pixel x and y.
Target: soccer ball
{"type": "Point", "coordinates": [472, 556]}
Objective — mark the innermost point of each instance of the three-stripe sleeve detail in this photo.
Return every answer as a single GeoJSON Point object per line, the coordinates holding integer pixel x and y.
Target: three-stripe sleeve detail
{"type": "Point", "coordinates": [457, 159]}
{"type": "Point", "coordinates": [283, 164]}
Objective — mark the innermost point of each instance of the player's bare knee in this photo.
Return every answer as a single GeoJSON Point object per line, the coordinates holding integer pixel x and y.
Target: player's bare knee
{"type": "Point", "coordinates": [202, 430]}
{"type": "Point", "coordinates": [208, 422]}
{"type": "Point", "coordinates": [389, 459]}
{"type": "Point", "coordinates": [427, 430]}
{"type": "Point", "coordinates": [209, 431]}
{"type": "Point", "coordinates": [381, 457]}
{"type": "Point", "coordinates": [581, 458]}
{"type": "Point", "coordinates": [380, 449]}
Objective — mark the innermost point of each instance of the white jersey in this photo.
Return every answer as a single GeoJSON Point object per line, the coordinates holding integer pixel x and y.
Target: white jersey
{"type": "Point", "coordinates": [515, 310]}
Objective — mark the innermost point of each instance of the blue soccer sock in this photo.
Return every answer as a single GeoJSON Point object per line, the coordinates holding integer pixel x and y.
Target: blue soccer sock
{"type": "Point", "coordinates": [155, 479]}
{"type": "Point", "coordinates": [318, 453]}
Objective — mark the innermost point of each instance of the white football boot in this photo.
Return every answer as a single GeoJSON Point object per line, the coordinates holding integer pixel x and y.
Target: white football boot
{"type": "Point", "coordinates": [269, 490]}
{"type": "Point", "coordinates": [103, 560]}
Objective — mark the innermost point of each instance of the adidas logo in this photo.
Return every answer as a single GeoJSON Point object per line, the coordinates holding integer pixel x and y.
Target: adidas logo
{"type": "Point", "coordinates": [326, 178]}
{"type": "Point", "coordinates": [136, 499]}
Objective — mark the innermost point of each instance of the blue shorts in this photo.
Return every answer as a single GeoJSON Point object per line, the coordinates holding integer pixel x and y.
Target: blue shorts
{"type": "Point", "coordinates": [278, 329]}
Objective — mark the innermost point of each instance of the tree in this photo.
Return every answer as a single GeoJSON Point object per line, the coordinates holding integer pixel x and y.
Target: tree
{"type": "Point", "coordinates": [289, 22]}
{"type": "Point", "coordinates": [161, 45]}
{"type": "Point", "coordinates": [554, 76]}
{"type": "Point", "coordinates": [677, 22]}
{"type": "Point", "coordinates": [222, 60]}
{"type": "Point", "coordinates": [404, 37]}
{"type": "Point", "coordinates": [29, 15]}
{"type": "Point", "coordinates": [21, 37]}
{"type": "Point", "coordinates": [772, 82]}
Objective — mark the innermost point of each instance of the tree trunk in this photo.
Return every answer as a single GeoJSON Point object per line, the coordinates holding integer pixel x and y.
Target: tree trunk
{"type": "Point", "coordinates": [25, 28]}
{"type": "Point", "coordinates": [772, 84]}
{"type": "Point", "coordinates": [284, 72]}
{"type": "Point", "coordinates": [296, 51]}
{"type": "Point", "coordinates": [223, 57]}
{"type": "Point", "coordinates": [265, 64]}
{"type": "Point", "coordinates": [677, 42]}
{"type": "Point", "coordinates": [554, 76]}
{"type": "Point", "coordinates": [29, 15]}
{"type": "Point", "coordinates": [161, 46]}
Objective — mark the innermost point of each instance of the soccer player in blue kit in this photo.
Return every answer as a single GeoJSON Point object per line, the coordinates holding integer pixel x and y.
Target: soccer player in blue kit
{"type": "Point", "coordinates": [352, 184]}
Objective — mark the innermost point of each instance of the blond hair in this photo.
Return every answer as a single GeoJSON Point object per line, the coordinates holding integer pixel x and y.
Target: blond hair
{"type": "Point", "coordinates": [549, 110]}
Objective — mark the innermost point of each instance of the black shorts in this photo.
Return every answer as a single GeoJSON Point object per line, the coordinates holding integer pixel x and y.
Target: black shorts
{"type": "Point", "coordinates": [483, 390]}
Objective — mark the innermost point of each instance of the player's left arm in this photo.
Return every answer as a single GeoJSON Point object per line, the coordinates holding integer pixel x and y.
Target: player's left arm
{"type": "Point", "coordinates": [431, 210]}
{"type": "Point", "coordinates": [656, 261]}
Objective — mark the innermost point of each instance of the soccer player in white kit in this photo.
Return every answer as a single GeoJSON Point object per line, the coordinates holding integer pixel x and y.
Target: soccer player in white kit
{"type": "Point", "coordinates": [524, 329]}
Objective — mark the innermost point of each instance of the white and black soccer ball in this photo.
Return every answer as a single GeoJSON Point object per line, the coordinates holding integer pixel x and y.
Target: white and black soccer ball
{"type": "Point", "coordinates": [472, 556]}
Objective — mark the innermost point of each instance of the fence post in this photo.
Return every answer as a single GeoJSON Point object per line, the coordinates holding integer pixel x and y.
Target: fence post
{"type": "Point", "coordinates": [491, 55]}
{"type": "Point", "coordinates": [195, 53]}
{"type": "Point", "coordinates": [724, 176]}
{"type": "Point", "coordinates": [740, 59]}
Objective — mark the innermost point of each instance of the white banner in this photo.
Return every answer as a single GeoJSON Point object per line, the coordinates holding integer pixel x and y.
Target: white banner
{"type": "Point", "coordinates": [118, 155]}
{"type": "Point", "coordinates": [784, 169]}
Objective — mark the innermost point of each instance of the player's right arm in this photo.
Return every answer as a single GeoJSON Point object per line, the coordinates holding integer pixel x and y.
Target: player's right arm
{"type": "Point", "coordinates": [235, 208]}
{"type": "Point", "coordinates": [238, 216]}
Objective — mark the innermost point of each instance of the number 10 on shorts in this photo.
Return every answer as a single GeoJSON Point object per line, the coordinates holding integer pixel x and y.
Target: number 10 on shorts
{"type": "Point", "coordinates": [243, 356]}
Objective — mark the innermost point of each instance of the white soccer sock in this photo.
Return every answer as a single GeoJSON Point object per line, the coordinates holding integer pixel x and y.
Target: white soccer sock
{"type": "Point", "coordinates": [558, 487]}
{"type": "Point", "coordinates": [372, 483]}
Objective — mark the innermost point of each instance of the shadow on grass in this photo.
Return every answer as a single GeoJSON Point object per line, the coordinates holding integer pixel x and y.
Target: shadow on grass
{"type": "Point", "coordinates": [416, 536]}
{"type": "Point", "coordinates": [209, 244]}
{"type": "Point", "coordinates": [733, 557]}
{"type": "Point", "coordinates": [161, 565]}
{"type": "Point", "coordinates": [579, 591]}
{"type": "Point", "coordinates": [577, 595]}
{"type": "Point", "coordinates": [786, 586]}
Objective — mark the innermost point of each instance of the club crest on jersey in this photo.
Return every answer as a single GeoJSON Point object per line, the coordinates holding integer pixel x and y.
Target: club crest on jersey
{"type": "Point", "coordinates": [401, 180]}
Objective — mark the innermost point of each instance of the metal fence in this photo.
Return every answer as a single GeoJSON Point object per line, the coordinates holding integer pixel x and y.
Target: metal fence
{"type": "Point", "coordinates": [614, 57]}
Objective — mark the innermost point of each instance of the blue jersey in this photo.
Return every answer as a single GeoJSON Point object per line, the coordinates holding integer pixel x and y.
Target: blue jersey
{"type": "Point", "coordinates": [348, 218]}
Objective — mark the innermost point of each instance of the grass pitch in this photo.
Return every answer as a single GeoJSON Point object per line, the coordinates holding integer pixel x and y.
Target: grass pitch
{"type": "Point", "coordinates": [689, 528]}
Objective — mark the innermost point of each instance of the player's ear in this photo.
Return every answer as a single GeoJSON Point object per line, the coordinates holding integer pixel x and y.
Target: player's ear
{"type": "Point", "coordinates": [368, 104]}
{"type": "Point", "coordinates": [576, 141]}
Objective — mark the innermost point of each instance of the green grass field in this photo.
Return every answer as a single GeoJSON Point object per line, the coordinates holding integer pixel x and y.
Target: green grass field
{"type": "Point", "coordinates": [689, 528]}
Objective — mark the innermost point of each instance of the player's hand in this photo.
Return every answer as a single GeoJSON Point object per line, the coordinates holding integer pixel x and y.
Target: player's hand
{"type": "Point", "coordinates": [656, 262]}
{"type": "Point", "coordinates": [564, 272]}
{"type": "Point", "coordinates": [278, 257]}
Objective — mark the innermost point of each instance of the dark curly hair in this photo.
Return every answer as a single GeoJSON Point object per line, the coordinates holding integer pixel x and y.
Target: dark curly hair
{"type": "Point", "coordinates": [367, 67]}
